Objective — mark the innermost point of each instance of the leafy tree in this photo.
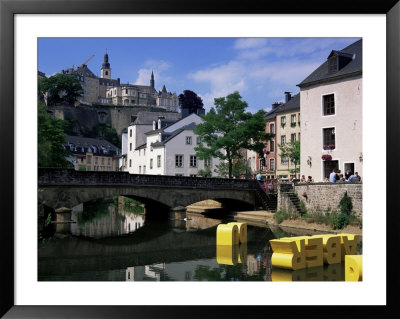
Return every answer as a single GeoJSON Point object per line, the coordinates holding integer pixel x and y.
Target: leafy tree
{"type": "Point", "coordinates": [238, 169]}
{"type": "Point", "coordinates": [291, 151]}
{"type": "Point", "coordinates": [205, 172]}
{"type": "Point", "coordinates": [50, 139]}
{"type": "Point", "coordinates": [105, 131]}
{"type": "Point", "coordinates": [190, 101]}
{"type": "Point", "coordinates": [228, 128]}
{"type": "Point", "coordinates": [60, 88]}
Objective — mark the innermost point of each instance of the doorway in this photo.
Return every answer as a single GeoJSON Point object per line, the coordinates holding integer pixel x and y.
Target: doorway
{"type": "Point", "coordinates": [329, 166]}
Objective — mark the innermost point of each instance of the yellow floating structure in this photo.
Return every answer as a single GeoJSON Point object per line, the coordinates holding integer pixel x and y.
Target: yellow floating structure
{"type": "Point", "coordinates": [242, 231]}
{"type": "Point", "coordinates": [289, 254]}
{"type": "Point", "coordinates": [231, 254]}
{"type": "Point", "coordinates": [332, 250]}
{"type": "Point", "coordinates": [227, 235]}
{"type": "Point", "coordinates": [353, 267]}
{"type": "Point", "coordinates": [312, 251]}
{"type": "Point", "coordinates": [227, 254]}
{"type": "Point", "coordinates": [349, 244]}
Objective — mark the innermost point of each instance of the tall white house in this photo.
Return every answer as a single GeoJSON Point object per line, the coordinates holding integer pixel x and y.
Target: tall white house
{"type": "Point", "coordinates": [168, 149]}
{"type": "Point", "coordinates": [331, 115]}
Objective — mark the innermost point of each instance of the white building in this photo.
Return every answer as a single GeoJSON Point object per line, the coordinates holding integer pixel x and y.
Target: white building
{"type": "Point", "coordinates": [331, 115]}
{"type": "Point", "coordinates": [168, 149]}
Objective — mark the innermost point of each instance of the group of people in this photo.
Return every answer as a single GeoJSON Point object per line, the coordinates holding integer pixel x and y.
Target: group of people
{"type": "Point", "coordinates": [308, 180]}
{"type": "Point", "coordinates": [337, 176]}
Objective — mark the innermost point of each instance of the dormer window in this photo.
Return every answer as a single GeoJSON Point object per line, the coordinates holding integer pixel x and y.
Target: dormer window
{"type": "Point", "coordinates": [333, 64]}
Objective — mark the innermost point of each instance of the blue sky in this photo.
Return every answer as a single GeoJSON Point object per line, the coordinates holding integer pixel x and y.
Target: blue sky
{"type": "Point", "coordinates": [261, 69]}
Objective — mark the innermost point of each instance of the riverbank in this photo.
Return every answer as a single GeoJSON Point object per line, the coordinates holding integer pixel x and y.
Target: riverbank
{"type": "Point", "coordinates": [267, 217]}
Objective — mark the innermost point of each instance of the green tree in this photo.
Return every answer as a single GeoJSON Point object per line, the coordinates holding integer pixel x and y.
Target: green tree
{"type": "Point", "coordinates": [228, 128]}
{"type": "Point", "coordinates": [105, 131]}
{"type": "Point", "coordinates": [191, 101]}
{"type": "Point", "coordinates": [60, 88]}
{"type": "Point", "coordinates": [238, 169]}
{"type": "Point", "coordinates": [291, 151]}
{"type": "Point", "coordinates": [51, 136]}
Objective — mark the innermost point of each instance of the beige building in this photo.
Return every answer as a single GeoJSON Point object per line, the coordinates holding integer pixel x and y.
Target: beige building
{"type": "Point", "coordinates": [89, 154]}
{"type": "Point", "coordinates": [89, 82]}
{"type": "Point", "coordinates": [331, 115]}
{"type": "Point", "coordinates": [287, 130]}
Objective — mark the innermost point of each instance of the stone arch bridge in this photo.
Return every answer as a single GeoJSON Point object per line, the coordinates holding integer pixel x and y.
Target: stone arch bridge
{"type": "Point", "coordinates": [68, 188]}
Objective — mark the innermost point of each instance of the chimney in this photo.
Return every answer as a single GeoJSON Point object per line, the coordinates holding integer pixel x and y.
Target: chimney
{"type": "Point", "coordinates": [287, 97]}
{"type": "Point", "coordinates": [275, 105]}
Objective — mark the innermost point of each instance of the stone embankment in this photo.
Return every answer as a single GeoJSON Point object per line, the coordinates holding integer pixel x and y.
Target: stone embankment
{"type": "Point", "coordinates": [266, 217]}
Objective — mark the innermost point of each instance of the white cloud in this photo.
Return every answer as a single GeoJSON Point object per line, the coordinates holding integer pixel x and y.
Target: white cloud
{"type": "Point", "coordinates": [250, 43]}
{"type": "Point", "coordinates": [158, 67]}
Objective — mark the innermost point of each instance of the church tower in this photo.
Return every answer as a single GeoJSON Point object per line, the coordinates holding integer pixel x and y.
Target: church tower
{"type": "Point", "coordinates": [105, 68]}
{"type": "Point", "coordinates": [152, 80]}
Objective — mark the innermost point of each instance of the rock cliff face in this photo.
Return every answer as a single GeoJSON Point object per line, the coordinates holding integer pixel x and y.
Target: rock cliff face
{"type": "Point", "coordinates": [85, 118]}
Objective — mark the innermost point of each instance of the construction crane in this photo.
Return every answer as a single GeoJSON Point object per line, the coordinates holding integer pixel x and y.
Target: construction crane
{"type": "Point", "coordinates": [88, 59]}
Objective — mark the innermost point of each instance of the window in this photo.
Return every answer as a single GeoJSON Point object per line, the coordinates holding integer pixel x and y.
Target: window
{"type": "Point", "coordinates": [333, 64]}
{"type": "Point", "coordinates": [284, 160]}
{"type": "Point", "coordinates": [158, 160]}
{"type": "Point", "coordinates": [140, 169]}
{"type": "Point", "coordinates": [188, 140]}
{"type": "Point", "coordinates": [271, 146]}
{"type": "Point", "coordinates": [207, 162]}
{"type": "Point", "coordinates": [130, 146]}
{"type": "Point", "coordinates": [126, 91]}
{"type": "Point", "coordinates": [96, 161]}
{"type": "Point", "coordinates": [89, 160]}
{"type": "Point", "coordinates": [193, 161]}
{"type": "Point", "coordinates": [272, 128]}
{"type": "Point", "coordinates": [106, 72]}
{"type": "Point", "coordinates": [293, 137]}
{"type": "Point", "coordinates": [272, 163]}
{"type": "Point", "coordinates": [178, 174]}
{"type": "Point", "coordinates": [144, 152]}
{"type": "Point", "coordinates": [130, 163]}
{"type": "Point", "coordinates": [109, 161]}
{"type": "Point", "coordinates": [144, 169]}
{"type": "Point", "coordinates": [329, 104]}
{"type": "Point", "coordinates": [192, 175]}
{"type": "Point", "coordinates": [283, 120]}
{"type": "Point", "coordinates": [329, 138]}
{"type": "Point", "coordinates": [293, 118]}
{"type": "Point", "coordinates": [178, 160]}
{"type": "Point", "coordinates": [102, 161]}
{"type": "Point", "coordinates": [130, 132]}
{"type": "Point", "coordinates": [198, 140]}
{"type": "Point", "coordinates": [151, 163]}
{"type": "Point", "coordinates": [283, 139]}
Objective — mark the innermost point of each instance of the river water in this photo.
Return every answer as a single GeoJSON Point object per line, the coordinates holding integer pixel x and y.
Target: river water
{"type": "Point", "coordinates": [118, 240]}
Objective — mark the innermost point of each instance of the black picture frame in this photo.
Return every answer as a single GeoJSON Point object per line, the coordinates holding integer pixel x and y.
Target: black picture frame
{"type": "Point", "coordinates": [8, 9]}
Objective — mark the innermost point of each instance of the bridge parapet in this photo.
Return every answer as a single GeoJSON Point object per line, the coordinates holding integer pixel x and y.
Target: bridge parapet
{"type": "Point", "coordinates": [71, 177]}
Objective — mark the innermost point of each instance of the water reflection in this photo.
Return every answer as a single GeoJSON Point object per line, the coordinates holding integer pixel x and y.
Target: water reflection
{"type": "Point", "coordinates": [100, 219]}
{"type": "Point", "coordinates": [334, 272]}
{"type": "Point", "coordinates": [114, 241]}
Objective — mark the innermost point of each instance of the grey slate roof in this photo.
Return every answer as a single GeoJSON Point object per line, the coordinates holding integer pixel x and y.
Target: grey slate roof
{"type": "Point", "coordinates": [147, 117]}
{"type": "Point", "coordinates": [166, 137]}
{"type": "Point", "coordinates": [291, 105]}
{"type": "Point", "coordinates": [86, 142]}
{"type": "Point", "coordinates": [354, 67]}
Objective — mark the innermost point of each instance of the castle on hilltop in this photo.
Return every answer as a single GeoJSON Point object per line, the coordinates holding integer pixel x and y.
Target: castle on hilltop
{"type": "Point", "coordinates": [107, 91]}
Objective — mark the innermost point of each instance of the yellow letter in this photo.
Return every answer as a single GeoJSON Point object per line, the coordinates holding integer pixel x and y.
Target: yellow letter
{"type": "Point", "coordinates": [314, 252]}
{"type": "Point", "coordinates": [349, 244]}
{"type": "Point", "coordinates": [353, 267]}
{"type": "Point", "coordinates": [288, 253]}
{"type": "Point", "coordinates": [227, 234]}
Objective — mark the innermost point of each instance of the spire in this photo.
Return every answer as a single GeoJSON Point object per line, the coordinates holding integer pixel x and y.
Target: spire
{"type": "Point", "coordinates": [164, 89]}
{"type": "Point", "coordinates": [106, 65]}
{"type": "Point", "coordinates": [152, 79]}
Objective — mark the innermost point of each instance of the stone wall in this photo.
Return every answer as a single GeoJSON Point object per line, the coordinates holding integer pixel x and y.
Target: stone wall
{"type": "Point", "coordinates": [324, 196]}
{"type": "Point", "coordinates": [85, 118]}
